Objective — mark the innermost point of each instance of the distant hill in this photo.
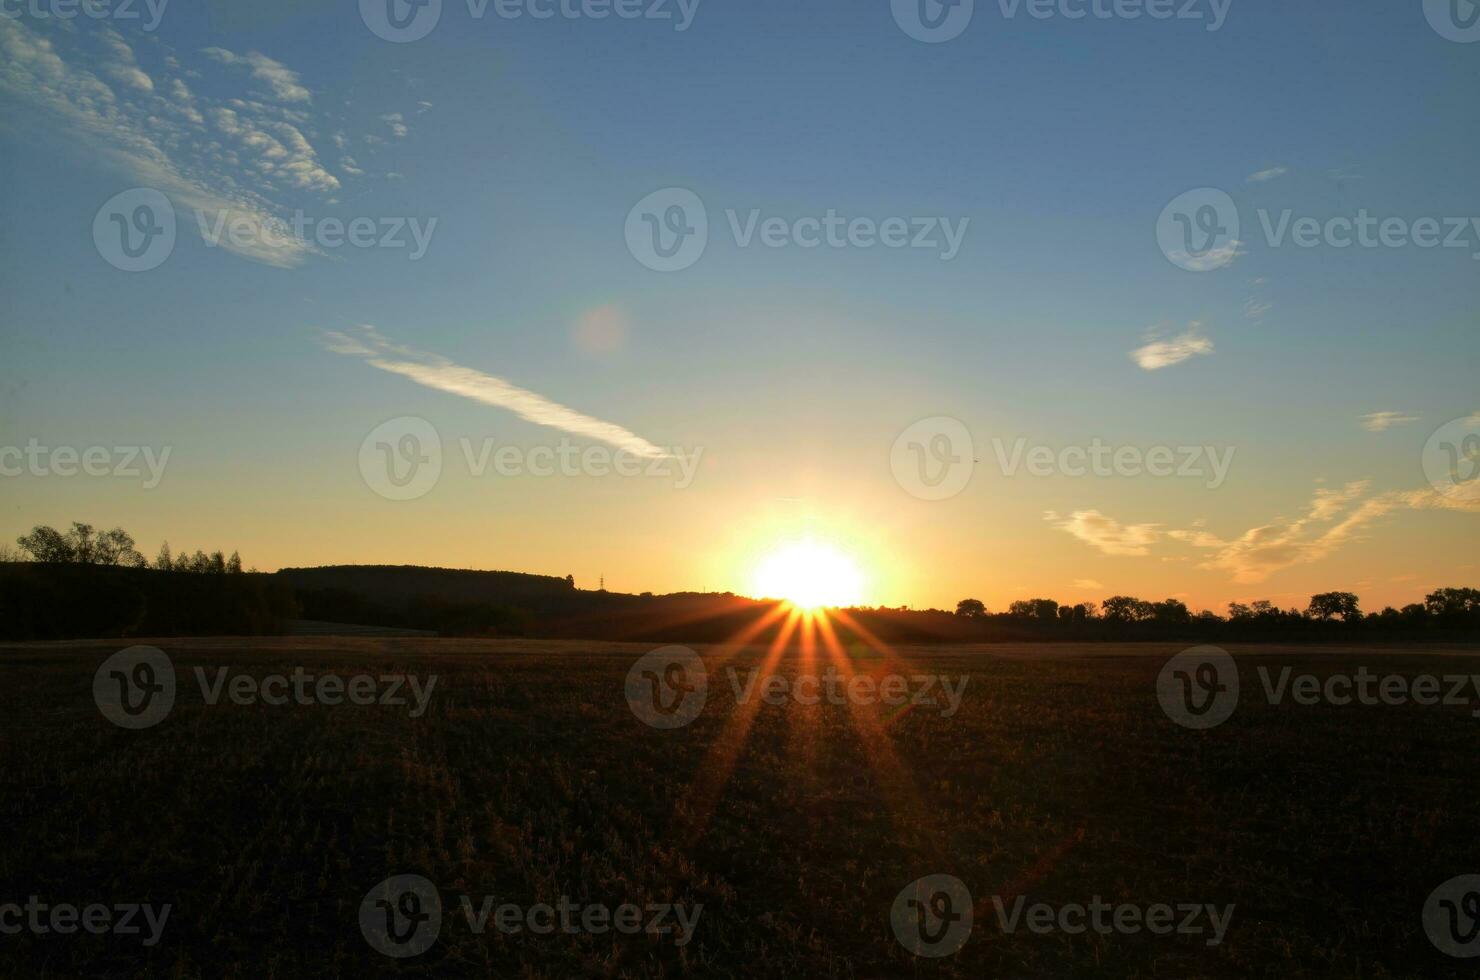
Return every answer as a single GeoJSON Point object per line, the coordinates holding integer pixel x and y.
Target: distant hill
{"type": "Point", "coordinates": [397, 584]}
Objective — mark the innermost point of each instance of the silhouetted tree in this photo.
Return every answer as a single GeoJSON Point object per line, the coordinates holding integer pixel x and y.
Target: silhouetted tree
{"type": "Point", "coordinates": [1126, 609]}
{"type": "Point", "coordinates": [163, 561]}
{"type": "Point", "coordinates": [1325, 605]}
{"type": "Point", "coordinates": [1043, 609]}
{"type": "Point", "coordinates": [971, 608]}
{"type": "Point", "coordinates": [116, 547]}
{"type": "Point", "coordinates": [82, 545]}
{"type": "Point", "coordinates": [1453, 602]}
{"type": "Point", "coordinates": [1171, 612]}
{"type": "Point", "coordinates": [47, 544]}
{"type": "Point", "coordinates": [234, 564]}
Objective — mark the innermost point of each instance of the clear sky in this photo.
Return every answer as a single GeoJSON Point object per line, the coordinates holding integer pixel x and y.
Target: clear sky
{"type": "Point", "coordinates": [279, 369]}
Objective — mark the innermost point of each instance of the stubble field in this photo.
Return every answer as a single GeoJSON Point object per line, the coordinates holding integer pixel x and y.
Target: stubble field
{"type": "Point", "coordinates": [781, 839]}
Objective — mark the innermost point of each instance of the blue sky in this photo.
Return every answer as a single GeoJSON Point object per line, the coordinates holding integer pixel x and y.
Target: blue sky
{"type": "Point", "coordinates": [528, 141]}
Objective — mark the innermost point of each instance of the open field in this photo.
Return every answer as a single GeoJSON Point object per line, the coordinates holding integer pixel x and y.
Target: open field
{"type": "Point", "coordinates": [528, 777]}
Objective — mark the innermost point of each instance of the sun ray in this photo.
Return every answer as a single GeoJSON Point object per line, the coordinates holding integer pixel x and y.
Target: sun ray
{"type": "Point", "coordinates": [912, 819]}
{"type": "Point", "coordinates": [714, 772]}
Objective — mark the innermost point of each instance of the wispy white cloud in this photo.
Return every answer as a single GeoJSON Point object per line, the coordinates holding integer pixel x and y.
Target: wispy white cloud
{"type": "Point", "coordinates": [1157, 354]}
{"type": "Point", "coordinates": [1106, 533]}
{"type": "Point", "coordinates": [281, 80]}
{"type": "Point", "coordinates": [1269, 174]}
{"type": "Point", "coordinates": [397, 124]}
{"type": "Point", "coordinates": [438, 372]}
{"type": "Point", "coordinates": [1333, 519]}
{"type": "Point", "coordinates": [233, 158]}
{"type": "Point", "coordinates": [1382, 421]}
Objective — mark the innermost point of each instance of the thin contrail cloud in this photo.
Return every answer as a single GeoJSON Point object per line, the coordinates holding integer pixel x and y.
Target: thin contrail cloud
{"type": "Point", "coordinates": [435, 371]}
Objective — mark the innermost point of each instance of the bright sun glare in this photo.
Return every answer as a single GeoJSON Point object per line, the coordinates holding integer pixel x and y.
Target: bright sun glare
{"type": "Point", "coordinates": [810, 575]}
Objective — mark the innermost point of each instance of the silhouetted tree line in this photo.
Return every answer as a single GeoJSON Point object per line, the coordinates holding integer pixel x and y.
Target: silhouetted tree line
{"type": "Point", "coordinates": [85, 582]}
{"type": "Point", "coordinates": [82, 544]}
{"type": "Point", "coordinates": [42, 601]}
{"type": "Point", "coordinates": [1448, 612]}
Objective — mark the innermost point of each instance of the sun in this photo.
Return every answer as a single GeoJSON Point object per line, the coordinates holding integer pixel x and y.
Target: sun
{"type": "Point", "coordinates": [810, 575]}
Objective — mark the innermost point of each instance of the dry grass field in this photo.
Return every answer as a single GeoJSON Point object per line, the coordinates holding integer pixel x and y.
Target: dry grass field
{"type": "Point", "coordinates": [788, 829]}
